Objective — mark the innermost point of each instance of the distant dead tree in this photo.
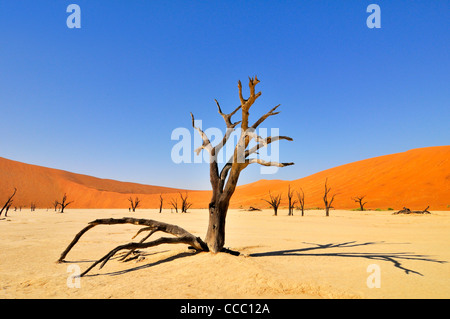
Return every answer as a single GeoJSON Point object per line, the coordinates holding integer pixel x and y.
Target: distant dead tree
{"type": "Point", "coordinates": [135, 203]}
{"type": "Point", "coordinates": [8, 203]}
{"type": "Point", "coordinates": [185, 205]}
{"type": "Point", "coordinates": [301, 201]}
{"type": "Point", "coordinates": [160, 203]}
{"type": "Point", "coordinates": [33, 206]}
{"type": "Point", "coordinates": [7, 209]}
{"type": "Point", "coordinates": [326, 200]}
{"type": "Point", "coordinates": [359, 200]}
{"type": "Point", "coordinates": [174, 203]}
{"type": "Point", "coordinates": [55, 205]}
{"type": "Point", "coordinates": [274, 201]}
{"type": "Point", "coordinates": [64, 203]}
{"type": "Point", "coordinates": [408, 211]}
{"type": "Point", "coordinates": [223, 181]}
{"type": "Point", "coordinates": [291, 203]}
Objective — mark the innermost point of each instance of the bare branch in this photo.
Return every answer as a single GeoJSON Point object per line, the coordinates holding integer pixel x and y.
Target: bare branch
{"type": "Point", "coordinates": [265, 116]}
{"type": "Point", "coordinates": [266, 142]}
{"type": "Point", "coordinates": [246, 104]}
{"type": "Point", "coordinates": [227, 117]}
{"type": "Point", "coordinates": [133, 246]}
{"type": "Point", "coordinates": [174, 230]}
{"type": "Point", "coordinates": [241, 97]}
{"type": "Point", "coordinates": [206, 143]}
{"type": "Point", "coordinates": [8, 202]}
{"type": "Point", "coordinates": [266, 163]}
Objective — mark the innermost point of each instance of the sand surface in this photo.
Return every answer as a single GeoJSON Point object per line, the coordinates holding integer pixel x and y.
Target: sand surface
{"type": "Point", "coordinates": [282, 256]}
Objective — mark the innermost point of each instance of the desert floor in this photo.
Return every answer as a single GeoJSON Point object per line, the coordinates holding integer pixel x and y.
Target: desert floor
{"type": "Point", "coordinates": [281, 256]}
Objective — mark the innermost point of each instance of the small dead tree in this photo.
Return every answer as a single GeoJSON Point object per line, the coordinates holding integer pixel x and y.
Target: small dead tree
{"type": "Point", "coordinates": [8, 203]}
{"type": "Point", "coordinates": [328, 202]}
{"type": "Point", "coordinates": [291, 203]}
{"type": "Point", "coordinates": [185, 205]}
{"type": "Point", "coordinates": [55, 205]}
{"type": "Point", "coordinates": [174, 203]}
{"type": "Point", "coordinates": [135, 203]}
{"type": "Point", "coordinates": [64, 203]}
{"type": "Point", "coordinates": [274, 201]}
{"type": "Point", "coordinates": [161, 200]}
{"type": "Point", "coordinates": [33, 206]}
{"type": "Point", "coordinates": [359, 200]}
{"type": "Point", "coordinates": [223, 181]}
{"type": "Point", "coordinates": [7, 209]}
{"type": "Point", "coordinates": [301, 201]}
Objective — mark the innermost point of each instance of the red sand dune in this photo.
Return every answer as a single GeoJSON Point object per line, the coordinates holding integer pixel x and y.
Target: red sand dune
{"type": "Point", "coordinates": [415, 179]}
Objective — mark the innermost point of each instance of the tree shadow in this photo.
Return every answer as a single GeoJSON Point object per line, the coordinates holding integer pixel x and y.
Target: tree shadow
{"type": "Point", "coordinates": [118, 256]}
{"type": "Point", "coordinates": [140, 267]}
{"type": "Point", "coordinates": [395, 258]}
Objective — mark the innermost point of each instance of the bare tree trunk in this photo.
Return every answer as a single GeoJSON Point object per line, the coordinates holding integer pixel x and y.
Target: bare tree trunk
{"type": "Point", "coordinates": [160, 203]}
{"type": "Point", "coordinates": [134, 204]}
{"type": "Point", "coordinates": [185, 205]}
{"type": "Point", "coordinates": [274, 201]}
{"type": "Point", "coordinates": [7, 209]}
{"type": "Point", "coordinates": [326, 200]}
{"type": "Point", "coordinates": [55, 205]}
{"type": "Point", "coordinates": [215, 235]}
{"type": "Point", "coordinates": [64, 203]}
{"type": "Point", "coordinates": [174, 203]}
{"type": "Point", "coordinates": [291, 204]}
{"type": "Point", "coordinates": [359, 200]}
{"type": "Point", "coordinates": [301, 200]}
{"type": "Point", "coordinates": [8, 202]}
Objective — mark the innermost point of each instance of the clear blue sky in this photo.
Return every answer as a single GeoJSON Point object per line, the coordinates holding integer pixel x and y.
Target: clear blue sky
{"type": "Point", "coordinates": [103, 100]}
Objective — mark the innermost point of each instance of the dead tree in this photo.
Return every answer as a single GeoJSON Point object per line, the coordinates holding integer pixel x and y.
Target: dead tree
{"type": "Point", "coordinates": [135, 203]}
{"type": "Point", "coordinates": [33, 206]}
{"type": "Point", "coordinates": [326, 200]}
{"type": "Point", "coordinates": [223, 181]}
{"type": "Point", "coordinates": [64, 203]}
{"type": "Point", "coordinates": [408, 211]}
{"type": "Point", "coordinates": [274, 201]}
{"type": "Point", "coordinates": [160, 203]}
{"type": "Point", "coordinates": [7, 208]}
{"type": "Point", "coordinates": [301, 201]}
{"type": "Point", "coordinates": [174, 203]}
{"type": "Point", "coordinates": [185, 205]}
{"type": "Point", "coordinates": [55, 205]}
{"type": "Point", "coordinates": [8, 203]}
{"type": "Point", "coordinates": [291, 203]}
{"type": "Point", "coordinates": [359, 200]}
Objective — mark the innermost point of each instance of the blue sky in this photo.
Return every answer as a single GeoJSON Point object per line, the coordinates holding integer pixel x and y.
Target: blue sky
{"type": "Point", "coordinates": [104, 99]}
